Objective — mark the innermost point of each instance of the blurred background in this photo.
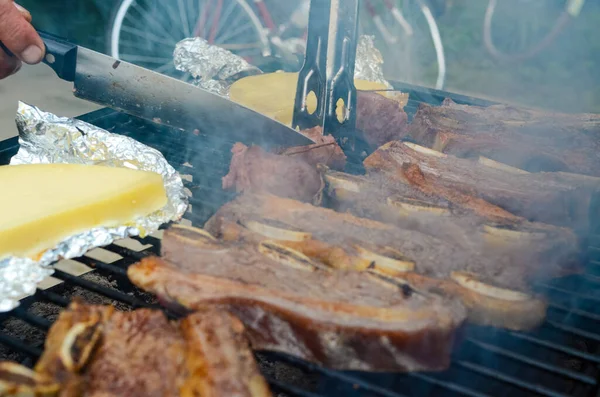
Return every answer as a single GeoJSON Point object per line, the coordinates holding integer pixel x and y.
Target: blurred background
{"type": "Point", "coordinates": [542, 53]}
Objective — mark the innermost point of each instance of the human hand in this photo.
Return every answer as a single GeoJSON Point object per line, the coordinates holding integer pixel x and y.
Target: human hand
{"type": "Point", "coordinates": [17, 34]}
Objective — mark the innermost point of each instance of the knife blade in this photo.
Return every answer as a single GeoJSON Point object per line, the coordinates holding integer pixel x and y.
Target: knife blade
{"type": "Point", "coordinates": [140, 92]}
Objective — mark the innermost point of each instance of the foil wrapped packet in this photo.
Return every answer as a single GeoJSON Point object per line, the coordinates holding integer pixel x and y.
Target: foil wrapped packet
{"type": "Point", "coordinates": [215, 69]}
{"type": "Point", "coordinates": [45, 138]}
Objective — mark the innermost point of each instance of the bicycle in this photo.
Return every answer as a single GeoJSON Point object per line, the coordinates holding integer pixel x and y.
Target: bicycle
{"type": "Point", "coordinates": [145, 31]}
{"type": "Point", "coordinates": [529, 37]}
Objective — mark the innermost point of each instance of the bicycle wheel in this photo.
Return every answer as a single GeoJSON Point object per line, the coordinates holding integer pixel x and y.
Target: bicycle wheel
{"type": "Point", "coordinates": [145, 32]}
{"type": "Point", "coordinates": [516, 30]}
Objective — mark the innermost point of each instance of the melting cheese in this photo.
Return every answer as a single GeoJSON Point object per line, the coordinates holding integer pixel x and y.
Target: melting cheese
{"type": "Point", "coordinates": [42, 204]}
{"type": "Point", "coordinates": [273, 94]}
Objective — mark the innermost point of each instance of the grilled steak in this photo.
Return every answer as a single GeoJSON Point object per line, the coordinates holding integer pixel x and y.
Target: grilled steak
{"type": "Point", "coordinates": [527, 139]}
{"type": "Point", "coordinates": [293, 304]}
{"type": "Point", "coordinates": [325, 150]}
{"type": "Point", "coordinates": [542, 197]}
{"type": "Point", "coordinates": [343, 241]}
{"type": "Point", "coordinates": [96, 351]}
{"type": "Point", "coordinates": [253, 169]}
{"type": "Point", "coordinates": [380, 119]}
{"type": "Point", "coordinates": [555, 250]}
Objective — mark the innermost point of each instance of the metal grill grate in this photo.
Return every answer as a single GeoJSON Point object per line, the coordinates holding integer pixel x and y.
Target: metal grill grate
{"type": "Point", "coordinates": [561, 358]}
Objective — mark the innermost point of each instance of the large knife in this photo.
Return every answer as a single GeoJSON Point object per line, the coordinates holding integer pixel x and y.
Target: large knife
{"type": "Point", "coordinates": [161, 99]}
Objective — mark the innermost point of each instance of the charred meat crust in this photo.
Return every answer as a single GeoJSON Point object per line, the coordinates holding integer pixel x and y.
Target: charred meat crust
{"type": "Point", "coordinates": [334, 242]}
{"type": "Point", "coordinates": [310, 313]}
{"type": "Point", "coordinates": [555, 250]}
{"type": "Point", "coordinates": [540, 197]}
{"type": "Point", "coordinates": [254, 170]}
{"type": "Point", "coordinates": [524, 138]}
{"type": "Point", "coordinates": [141, 353]}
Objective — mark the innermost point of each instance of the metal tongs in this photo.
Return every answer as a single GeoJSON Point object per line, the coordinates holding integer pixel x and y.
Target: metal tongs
{"type": "Point", "coordinates": [328, 71]}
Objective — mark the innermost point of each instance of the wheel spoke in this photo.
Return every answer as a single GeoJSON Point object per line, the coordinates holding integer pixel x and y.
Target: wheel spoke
{"type": "Point", "coordinates": [146, 59]}
{"type": "Point", "coordinates": [183, 18]}
{"type": "Point", "coordinates": [147, 35]}
{"type": "Point", "coordinates": [152, 20]}
{"type": "Point", "coordinates": [234, 33]}
{"type": "Point", "coordinates": [225, 16]}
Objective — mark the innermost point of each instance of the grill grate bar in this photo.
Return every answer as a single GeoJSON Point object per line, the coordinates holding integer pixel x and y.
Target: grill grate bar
{"type": "Point", "coordinates": [126, 252]}
{"type": "Point", "coordinates": [21, 346]}
{"type": "Point", "coordinates": [567, 292]}
{"type": "Point", "coordinates": [578, 312]}
{"type": "Point", "coordinates": [96, 264]}
{"type": "Point", "coordinates": [109, 293]}
{"type": "Point", "coordinates": [509, 379]}
{"type": "Point", "coordinates": [52, 297]}
{"type": "Point", "coordinates": [292, 391]}
{"type": "Point", "coordinates": [32, 319]}
{"type": "Point", "coordinates": [534, 363]}
{"type": "Point", "coordinates": [575, 331]}
{"type": "Point", "coordinates": [555, 347]}
{"type": "Point", "coordinates": [447, 385]}
{"type": "Point", "coordinates": [353, 380]}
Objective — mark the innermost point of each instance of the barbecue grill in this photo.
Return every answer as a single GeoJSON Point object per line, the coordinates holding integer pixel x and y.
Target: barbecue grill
{"type": "Point", "coordinates": [560, 358]}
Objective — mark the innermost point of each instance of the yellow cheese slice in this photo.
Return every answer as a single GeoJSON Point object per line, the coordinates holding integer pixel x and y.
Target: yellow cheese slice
{"type": "Point", "coordinates": [42, 204]}
{"type": "Point", "coordinates": [273, 94]}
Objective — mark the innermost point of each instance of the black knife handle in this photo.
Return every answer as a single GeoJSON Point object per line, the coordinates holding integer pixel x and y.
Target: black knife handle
{"type": "Point", "coordinates": [61, 55]}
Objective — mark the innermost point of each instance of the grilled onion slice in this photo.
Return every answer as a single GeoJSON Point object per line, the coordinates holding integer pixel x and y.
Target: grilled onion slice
{"type": "Point", "coordinates": [78, 344]}
{"type": "Point", "coordinates": [407, 206]}
{"type": "Point", "coordinates": [500, 166]}
{"type": "Point", "coordinates": [17, 380]}
{"type": "Point", "coordinates": [501, 234]}
{"type": "Point", "coordinates": [385, 260]}
{"type": "Point", "coordinates": [337, 180]}
{"type": "Point", "coordinates": [277, 230]}
{"type": "Point", "coordinates": [425, 150]}
{"type": "Point", "coordinates": [287, 256]}
{"type": "Point", "coordinates": [470, 282]}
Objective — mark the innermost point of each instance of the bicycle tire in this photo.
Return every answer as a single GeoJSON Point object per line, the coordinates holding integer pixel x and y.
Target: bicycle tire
{"type": "Point", "coordinates": [120, 11]}
{"type": "Point", "coordinates": [559, 26]}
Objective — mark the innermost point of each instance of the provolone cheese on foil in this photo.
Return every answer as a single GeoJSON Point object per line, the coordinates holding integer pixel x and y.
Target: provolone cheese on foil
{"type": "Point", "coordinates": [273, 94]}
{"type": "Point", "coordinates": [42, 204]}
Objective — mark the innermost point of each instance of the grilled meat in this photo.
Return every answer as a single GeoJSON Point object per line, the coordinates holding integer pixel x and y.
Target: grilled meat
{"type": "Point", "coordinates": [344, 241]}
{"type": "Point", "coordinates": [555, 250]}
{"type": "Point", "coordinates": [325, 150]}
{"type": "Point", "coordinates": [527, 139]}
{"type": "Point", "coordinates": [96, 351]}
{"type": "Point", "coordinates": [381, 119]}
{"type": "Point", "coordinates": [293, 304]}
{"type": "Point", "coordinates": [542, 197]}
{"type": "Point", "coordinates": [253, 169]}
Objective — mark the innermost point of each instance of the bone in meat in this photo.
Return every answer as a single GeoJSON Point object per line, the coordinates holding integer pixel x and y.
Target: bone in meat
{"type": "Point", "coordinates": [290, 303]}
{"type": "Point", "coordinates": [97, 351]}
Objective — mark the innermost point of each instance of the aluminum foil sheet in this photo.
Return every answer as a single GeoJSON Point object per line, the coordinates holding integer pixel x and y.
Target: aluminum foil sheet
{"type": "Point", "coordinates": [369, 61]}
{"type": "Point", "coordinates": [215, 68]}
{"type": "Point", "coordinates": [211, 66]}
{"type": "Point", "coordinates": [46, 138]}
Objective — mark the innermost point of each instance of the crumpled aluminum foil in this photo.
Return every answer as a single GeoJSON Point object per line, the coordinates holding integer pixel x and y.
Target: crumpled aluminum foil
{"type": "Point", "coordinates": [214, 67]}
{"type": "Point", "coordinates": [369, 61]}
{"type": "Point", "coordinates": [210, 65]}
{"type": "Point", "coordinates": [46, 138]}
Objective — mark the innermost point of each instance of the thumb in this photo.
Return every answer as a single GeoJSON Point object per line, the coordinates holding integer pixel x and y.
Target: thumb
{"type": "Point", "coordinates": [17, 33]}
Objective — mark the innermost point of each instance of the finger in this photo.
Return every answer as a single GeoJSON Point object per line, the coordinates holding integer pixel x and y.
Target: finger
{"type": "Point", "coordinates": [18, 34]}
{"type": "Point", "coordinates": [26, 14]}
{"type": "Point", "coordinates": [8, 65]}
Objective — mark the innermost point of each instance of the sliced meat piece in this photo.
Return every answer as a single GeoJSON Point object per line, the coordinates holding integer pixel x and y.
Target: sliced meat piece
{"type": "Point", "coordinates": [97, 351]}
{"type": "Point", "coordinates": [528, 139]}
{"type": "Point", "coordinates": [553, 198]}
{"type": "Point", "coordinates": [556, 250]}
{"type": "Point", "coordinates": [324, 151]}
{"type": "Point", "coordinates": [381, 119]}
{"type": "Point", "coordinates": [253, 169]}
{"type": "Point", "coordinates": [344, 241]}
{"type": "Point", "coordinates": [290, 303]}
